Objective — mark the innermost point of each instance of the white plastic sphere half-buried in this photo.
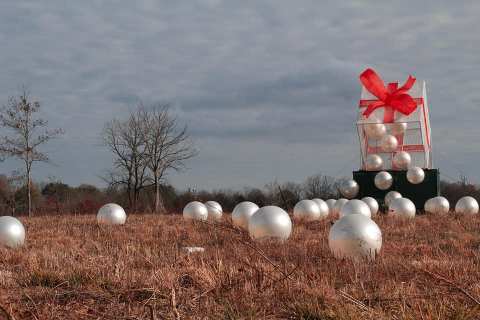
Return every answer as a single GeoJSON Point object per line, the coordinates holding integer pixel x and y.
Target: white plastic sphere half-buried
{"type": "Point", "coordinates": [306, 210]}
{"type": "Point", "coordinates": [372, 204]}
{"type": "Point", "coordinates": [383, 180]}
{"type": "Point", "coordinates": [331, 205]}
{"type": "Point", "coordinates": [389, 143]}
{"type": "Point", "coordinates": [390, 196]}
{"type": "Point", "coordinates": [349, 189]}
{"type": "Point", "coordinates": [323, 206]}
{"type": "Point", "coordinates": [415, 175]}
{"type": "Point", "coordinates": [195, 210]}
{"type": "Point", "coordinates": [374, 162]}
{"type": "Point", "coordinates": [270, 222]}
{"type": "Point", "coordinates": [437, 205]}
{"type": "Point", "coordinates": [214, 209]}
{"type": "Point", "coordinates": [242, 213]}
{"type": "Point", "coordinates": [402, 160]}
{"type": "Point", "coordinates": [466, 205]}
{"type": "Point", "coordinates": [355, 237]}
{"type": "Point", "coordinates": [111, 214]}
{"type": "Point", "coordinates": [355, 207]}
{"type": "Point", "coordinates": [402, 207]}
{"type": "Point", "coordinates": [338, 205]}
{"type": "Point", "coordinates": [12, 232]}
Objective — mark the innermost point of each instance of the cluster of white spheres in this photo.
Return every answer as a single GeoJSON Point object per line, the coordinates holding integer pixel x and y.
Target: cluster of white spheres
{"type": "Point", "coordinates": [375, 131]}
{"type": "Point", "coordinates": [306, 210]}
{"type": "Point", "coordinates": [398, 128]}
{"type": "Point", "coordinates": [383, 180]}
{"type": "Point", "coordinates": [349, 189]}
{"type": "Point", "coordinates": [402, 207]}
{"type": "Point", "coordinates": [270, 222]}
{"type": "Point", "coordinates": [355, 207]}
{"type": "Point", "coordinates": [331, 205]}
{"type": "Point", "coordinates": [195, 210]}
{"type": "Point", "coordinates": [466, 205]}
{"type": "Point", "coordinates": [389, 143]}
{"type": "Point", "coordinates": [415, 175]}
{"type": "Point", "coordinates": [338, 205]}
{"type": "Point", "coordinates": [372, 204]}
{"type": "Point", "coordinates": [355, 237]}
{"type": "Point", "coordinates": [323, 207]}
{"type": "Point", "coordinates": [242, 213]}
{"type": "Point", "coordinates": [402, 160]}
{"type": "Point", "coordinates": [437, 205]}
{"type": "Point", "coordinates": [12, 232]}
{"type": "Point", "coordinates": [390, 196]}
{"type": "Point", "coordinates": [374, 162]}
{"type": "Point", "coordinates": [214, 209]}
{"type": "Point", "coordinates": [111, 214]}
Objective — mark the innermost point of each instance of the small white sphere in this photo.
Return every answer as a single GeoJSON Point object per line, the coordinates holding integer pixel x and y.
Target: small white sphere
{"type": "Point", "coordinates": [195, 210]}
{"type": "Point", "coordinates": [402, 207]}
{"type": "Point", "coordinates": [323, 206]}
{"type": "Point", "coordinates": [338, 205]}
{"type": "Point", "coordinates": [467, 205]}
{"type": "Point", "coordinates": [389, 143]}
{"type": "Point", "coordinates": [398, 128]}
{"type": "Point", "coordinates": [437, 205]}
{"type": "Point", "coordinates": [402, 160]}
{"type": "Point", "coordinates": [355, 207]}
{"type": "Point", "coordinates": [375, 131]}
{"type": "Point", "coordinates": [349, 189]}
{"type": "Point", "coordinates": [306, 210]}
{"type": "Point", "coordinates": [214, 209]}
{"type": "Point", "coordinates": [331, 205]}
{"type": "Point", "coordinates": [111, 214]}
{"type": "Point", "coordinates": [356, 237]}
{"type": "Point", "coordinates": [374, 162]}
{"type": "Point", "coordinates": [12, 232]}
{"type": "Point", "coordinates": [383, 180]}
{"type": "Point", "coordinates": [415, 175]}
{"type": "Point", "coordinates": [390, 196]}
{"type": "Point", "coordinates": [242, 213]}
{"type": "Point", "coordinates": [372, 204]}
{"type": "Point", "coordinates": [270, 222]}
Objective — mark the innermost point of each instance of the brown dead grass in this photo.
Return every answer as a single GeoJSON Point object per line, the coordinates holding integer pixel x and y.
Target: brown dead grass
{"type": "Point", "coordinates": [71, 268]}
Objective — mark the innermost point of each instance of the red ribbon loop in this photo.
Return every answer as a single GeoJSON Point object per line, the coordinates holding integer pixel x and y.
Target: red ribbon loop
{"type": "Point", "coordinates": [388, 96]}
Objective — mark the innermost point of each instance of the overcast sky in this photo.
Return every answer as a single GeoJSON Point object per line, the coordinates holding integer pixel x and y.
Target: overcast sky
{"type": "Point", "coordinates": [269, 89]}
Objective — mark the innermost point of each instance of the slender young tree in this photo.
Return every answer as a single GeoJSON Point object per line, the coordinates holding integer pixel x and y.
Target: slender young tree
{"type": "Point", "coordinates": [27, 134]}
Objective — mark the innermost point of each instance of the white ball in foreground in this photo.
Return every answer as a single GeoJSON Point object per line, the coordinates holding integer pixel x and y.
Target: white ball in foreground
{"type": "Point", "coordinates": [242, 213]}
{"type": "Point", "coordinates": [374, 162]}
{"type": "Point", "coordinates": [383, 180]}
{"type": "Point", "coordinates": [349, 189]}
{"type": "Point", "coordinates": [12, 232]}
{"type": "Point", "coordinates": [467, 205]}
{"type": "Point", "coordinates": [195, 210]}
{"type": "Point", "coordinates": [402, 207]}
{"type": "Point", "coordinates": [415, 175]}
{"type": "Point", "coordinates": [338, 205]}
{"type": "Point", "coordinates": [437, 205]}
{"type": "Point", "coordinates": [306, 210]}
{"type": "Point", "coordinates": [372, 204]}
{"type": "Point", "coordinates": [390, 196]}
{"type": "Point", "coordinates": [331, 204]}
{"type": "Point", "coordinates": [270, 223]}
{"type": "Point", "coordinates": [323, 206]}
{"type": "Point", "coordinates": [355, 207]}
{"type": "Point", "coordinates": [111, 214]}
{"type": "Point", "coordinates": [214, 209]}
{"type": "Point", "coordinates": [356, 237]}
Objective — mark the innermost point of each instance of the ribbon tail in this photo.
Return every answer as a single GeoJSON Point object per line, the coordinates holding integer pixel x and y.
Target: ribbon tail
{"type": "Point", "coordinates": [407, 85]}
{"type": "Point", "coordinates": [372, 107]}
{"type": "Point", "coordinates": [374, 84]}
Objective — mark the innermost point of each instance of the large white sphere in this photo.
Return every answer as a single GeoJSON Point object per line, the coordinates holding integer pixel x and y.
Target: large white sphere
{"type": "Point", "coordinates": [402, 207]}
{"type": "Point", "coordinates": [323, 206]}
{"type": "Point", "coordinates": [331, 205]}
{"type": "Point", "coordinates": [195, 210]}
{"type": "Point", "coordinates": [383, 180]}
{"type": "Point", "coordinates": [389, 143]}
{"type": "Point", "coordinates": [12, 232]}
{"type": "Point", "coordinates": [242, 213]}
{"type": "Point", "coordinates": [398, 128]}
{"type": "Point", "coordinates": [349, 189]}
{"type": "Point", "coordinates": [338, 205]}
{"type": "Point", "coordinates": [270, 223]}
{"type": "Point", "coordinates": [467, 205]}
{"type": "Point", "coordinates": [437, 205]}
{"type": "Point", "coordinates": [355, 207]}
{"type": "Point", "coordinates": [375, 131]}
{"type": "Point", "coordinates": [374, 162]}
{"type": "Point", "coordinates": [372, 204]}
{"type": "Point", "coordinates": [306, 210]}
{"type": "Point", "coordinates": [415, 175]}
{"type": "Point", "coordinates": [356, 237]}
{"type": "Point", "coordinates": [402, 160]}
{"type": "Point", "coordinates": [390, 196]}
{"type": "Point", "coordinates": [214, 209]}
{"type": "Point", "coordinates": [111, 214]}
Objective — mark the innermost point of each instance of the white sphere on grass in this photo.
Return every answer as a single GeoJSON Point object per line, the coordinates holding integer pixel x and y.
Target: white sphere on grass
{"type": "Point", "coordinates": [12, 232]}
{"type": "Point", "coordinates": [323, 206]}
{"type": "Point", "coordinates": [437, 205]}
{"type": "Point", "coordinates": [402, 207]}
{"type": "Point", "coordinates": [195, 210]}
{"type": "Point", "coordinates": [331, 205]}
{"type": "Point", "coordinates": [111, 214]}
{"type": "Point", "coordinates": [466, 205]}
{"type": "Point", "coordinates": [390, 196]}
{"type": "Point", "coordinates": [242, 213]}
{"type": "Point", "coordinates": [355, 207]}
{"type": "Point", "coordinates": [306, 210]}
{"type": "Point", "coordinates": [338, 205]}
{"type": "Point", "coordinates": [372, 204]}
{"type": "Point", "coordinates": [270, 222]}
{"type": "Point", "coordinates": [214, 209]}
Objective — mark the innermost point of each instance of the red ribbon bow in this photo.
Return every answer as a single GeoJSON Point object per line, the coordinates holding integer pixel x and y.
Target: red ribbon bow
{"type": "Point", "coordinates": [390, 97]}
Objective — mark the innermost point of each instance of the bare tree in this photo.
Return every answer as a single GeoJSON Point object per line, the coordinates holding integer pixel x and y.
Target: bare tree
{"type": "Point", "coordinates": [27, 134]}
{"type": "Point", "coordinates": [319, 186]}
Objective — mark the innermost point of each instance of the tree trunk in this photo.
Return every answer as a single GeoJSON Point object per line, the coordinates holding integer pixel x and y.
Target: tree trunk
{"type": "Point", "coordinates": [29, 194]}
{"type": "Point", "coordinates": [158, 199]}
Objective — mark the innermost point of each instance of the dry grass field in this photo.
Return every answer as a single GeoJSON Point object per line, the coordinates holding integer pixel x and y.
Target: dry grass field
{"type": "Point", "coordinates": [71, 268]}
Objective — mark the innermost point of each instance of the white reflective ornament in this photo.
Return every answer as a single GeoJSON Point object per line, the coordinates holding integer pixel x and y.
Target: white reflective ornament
{"type": "Point", "coordinates": [398, 128]}
{"type": "Point", "coordinates": [356, 237]}
{"type": "Point", "coordinates": [355, 207]}
{"type": "Point", "coordinates": [402, 207]}
{"type": "Point", "coordinates": [331, 205]}
{"type": "Point", "coordinates": [12, 232]}
{"type": "Point", "coordinates": [389, 143]}
{"type": "Point", "coordinates": [349, 189]}
{"type": "Point", "coordinates": [338, 206]}
{"type": "Point", "coordinates": [111, 214]}
{"type": "Point", "coordinates": [306, 210]}
{"type": "Point", "coordinates": [383, 180]}
{"type": "Point", "coordinates": [375, 131]}
{"type": "Point", "coordinates": [374, 162]}
{"type": "Point", "coordinates": [323, 206]}
{"type": "Point", "coordinates": [270, 222]}
{"type": "Point", "coordinates": [372, 204]}
{"type": "Point", "coordinates": [195, 210]}
{"type": "Point", "coordinates": [415, 175]}
{"type": "Point", "coordinates": [402, 160]}
{"type": "Point", "coordinates": [390, 196]}
{"type": "Point", "coordinates": [214, 209]}
{"type": "Point", "coordinates": [467, 205]}
{"type": "Point", "coordinates": [242, 213]}
{"type": "Point", "coordinates": [437, 205]}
